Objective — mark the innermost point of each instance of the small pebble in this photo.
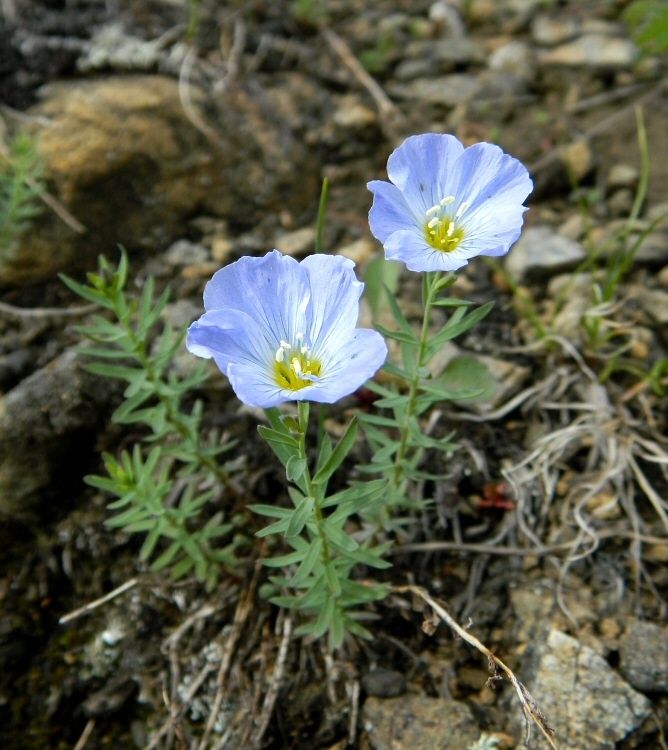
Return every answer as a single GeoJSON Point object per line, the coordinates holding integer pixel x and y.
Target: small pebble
{"type": "Point", "coordinates": [384, 683]}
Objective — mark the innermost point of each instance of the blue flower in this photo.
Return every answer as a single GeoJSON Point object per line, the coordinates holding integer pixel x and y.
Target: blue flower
{"type": "Point", "coordinates": [446, 203]}
{"type": "Point", "coordinates": [285, 331]}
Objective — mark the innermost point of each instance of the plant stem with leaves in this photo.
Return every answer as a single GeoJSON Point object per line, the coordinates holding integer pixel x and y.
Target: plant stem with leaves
{"type": "Point", "coordinates": [318, 576]}
{"type": "Point", "coordinates": [400, 458]}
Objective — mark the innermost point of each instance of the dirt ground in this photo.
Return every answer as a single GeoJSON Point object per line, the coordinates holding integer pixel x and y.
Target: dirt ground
{"type": "Point", "coordinates": [506, 546]}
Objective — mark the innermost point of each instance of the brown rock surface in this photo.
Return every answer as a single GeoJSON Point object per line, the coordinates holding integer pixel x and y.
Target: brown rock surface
{"type": "Point", "coordinates": [127, 160]}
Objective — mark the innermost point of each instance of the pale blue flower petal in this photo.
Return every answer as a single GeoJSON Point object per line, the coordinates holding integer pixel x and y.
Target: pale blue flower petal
{"type": "Point", "coordinates": [411, 249]}
{"type": "Point", "coordinates": [255, 387]}
{"type": "Point", "coordinates": [446, 204]}
{"type": "Point", "coordinates": [285, 331]}
{"type": "Point", "coordinates": [390, 211]}
{"type": "Point", "coordinates": [486, 173]}
{"type": "Point", "coordinates": [230, 336]}
{"type": "Point", "coordinates": [334, 302]}
{"type": "Point", "coordinates": [273, 290]}
{"type": "Point", "coordinates": [423, 168]}
{"type": "Point", "coordinates": [350, 366]}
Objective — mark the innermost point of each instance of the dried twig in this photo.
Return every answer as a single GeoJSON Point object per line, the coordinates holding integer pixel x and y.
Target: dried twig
{"type": "Point", "coordinates": [177, 713]}
{"type": "Point", "coordinates": [388, 112]}
{"type": "Point", "coordinates": [185, 95]}
{"type": "Point", "coordinates": [45, 312]}
{"type": "Point", "coordinates": [98, 602]}
{"type": "Point", "coordinates": [354, 712]}
{"type": "Point", "coordinates": [529, 706]}
{"type": "Point", "coordinates": [88, 729]}
{"type": "Point", "coordinates": [553, 549]}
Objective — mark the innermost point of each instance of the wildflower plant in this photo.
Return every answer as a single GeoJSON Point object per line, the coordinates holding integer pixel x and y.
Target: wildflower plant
{"type": "Point", "coordinates": [163, 485]}
{"type": "Point", "coordinates": [285, 334]}
{"type": "Point", "coordinates": [285, 331]}
{"type": "Point", "coordinates": [21, 186]}
{"type": "Point", "coordinates": [444, 205]}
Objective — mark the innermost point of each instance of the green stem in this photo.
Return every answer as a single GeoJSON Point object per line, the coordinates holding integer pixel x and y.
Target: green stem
{"type": "Point", "coordinates": [320, 223]}
{"type": "Point", "coordinates": [428, 295]}
{"type": "Point", "coordinates": [312, 491]}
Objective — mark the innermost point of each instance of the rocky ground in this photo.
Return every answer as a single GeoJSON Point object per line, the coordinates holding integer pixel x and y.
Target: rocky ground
{"type": "Point", "coordinates": [195, 133]}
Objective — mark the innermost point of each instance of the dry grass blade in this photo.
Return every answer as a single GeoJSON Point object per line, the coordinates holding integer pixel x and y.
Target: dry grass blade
{"type": "Point", "coordinates": [240, 616]}
{"type": "Point", "coordinates": [275, 684]}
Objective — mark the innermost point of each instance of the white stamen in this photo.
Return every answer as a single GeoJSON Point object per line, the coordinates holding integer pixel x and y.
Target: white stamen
{"type": "Point", "coordinates": [304, 349]}
{"type": "Point", "coordinates": [451, 229]}
{"type": "Point", "coordinates": [461, 210]}
{"type": "Point", "coordinates": [447, 201]}
{"type": "Point", "coordinates": [296, 366]}
{"type": "Point", "coordinates": [433, 222]}
{"type": "Point", "coordinates": [280, 353]}
{"type": "Point", "coordinates": [433, 210]}
{"type": "Point", "coordinates": [285, 344]}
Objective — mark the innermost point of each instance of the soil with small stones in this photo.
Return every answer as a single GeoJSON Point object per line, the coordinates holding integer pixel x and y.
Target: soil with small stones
{"type": "Point", "coordinates": [109, 678]}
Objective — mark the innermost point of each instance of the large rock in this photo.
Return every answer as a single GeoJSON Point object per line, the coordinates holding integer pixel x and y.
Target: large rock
{"type": "Point", "coordinates": [585, 701]}
{"type": "Point", "coordinates": [416, 722]}
{"type": "Point", "coordinates": [132, 162]}
{"type": "Point", "coordinates": [540, 253]}
{"type": "Point", "coordinates": [644, 657]}
{"type": "Point", "coordinates": [48, 425]}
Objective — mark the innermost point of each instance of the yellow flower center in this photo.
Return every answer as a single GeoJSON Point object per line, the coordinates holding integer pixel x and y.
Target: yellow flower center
{"type": "Point", "coordinates": [293, 367]}
{"type": "Point", "coordinates": [443, 230]}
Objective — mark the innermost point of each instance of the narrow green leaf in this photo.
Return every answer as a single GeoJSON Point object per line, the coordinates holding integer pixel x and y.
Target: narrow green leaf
{"type": "Point", "coordinates": [333, 582]}
{"type": "Point", "coordinates": [358, 493]}
{"type": "Point", "coordinates": [274, 417]}
{"type": "Point", "coordinates": [167, 556]}
{"type": "Point", "coordinates": [397, 400]}
{"type": "Point", "coordinates": [386, 452]}
{"type": "Point", "coordinates": [372, 557]}
{"type": "Point", "coordinates": [336, 536]}
{"type": "Point", "coordinates": [300, 516]}
{"type": "Point", "coordinates": [451, 302]}
{"type": "Point", "coordinates": [397, 313]}
{"type": "Point", "coordinates": [443, 393]}
{"type": "Point", "coordinates": [284, 560]}
{"type": "Point", "coordinates": [343, 447]}
{"type": "Point", "coordinates": [114, 371]}
{"type": "Point", "coordinates": [377, 469]}
{"type": "Point", "coordinates": [185, 565]}
{"type": "Point", "coordinates": [86, 292]}
{"type": "Point", "coordinates": [325, 452]}
{"type": "Point", "coordinates": [337, 629]}
{"type": "Point", "coordinates": [280, 527]}
{"type": "Point", "coordinates": [271, 511]}
{"type": "Point", "coordinates": [309, 561]}
{"type": "Point", "coordinates": [295, 468]}
{"type": "Point", "coordinates": [457, 325]}
{"type": "Point", "coordinates": [152, 539]}
{"type": "Point", "coordinates": [375, 387]}
{"type": "Point", "coordinates": [402, 336]}
{"type": "Point", "coordinates": [397, 372]}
